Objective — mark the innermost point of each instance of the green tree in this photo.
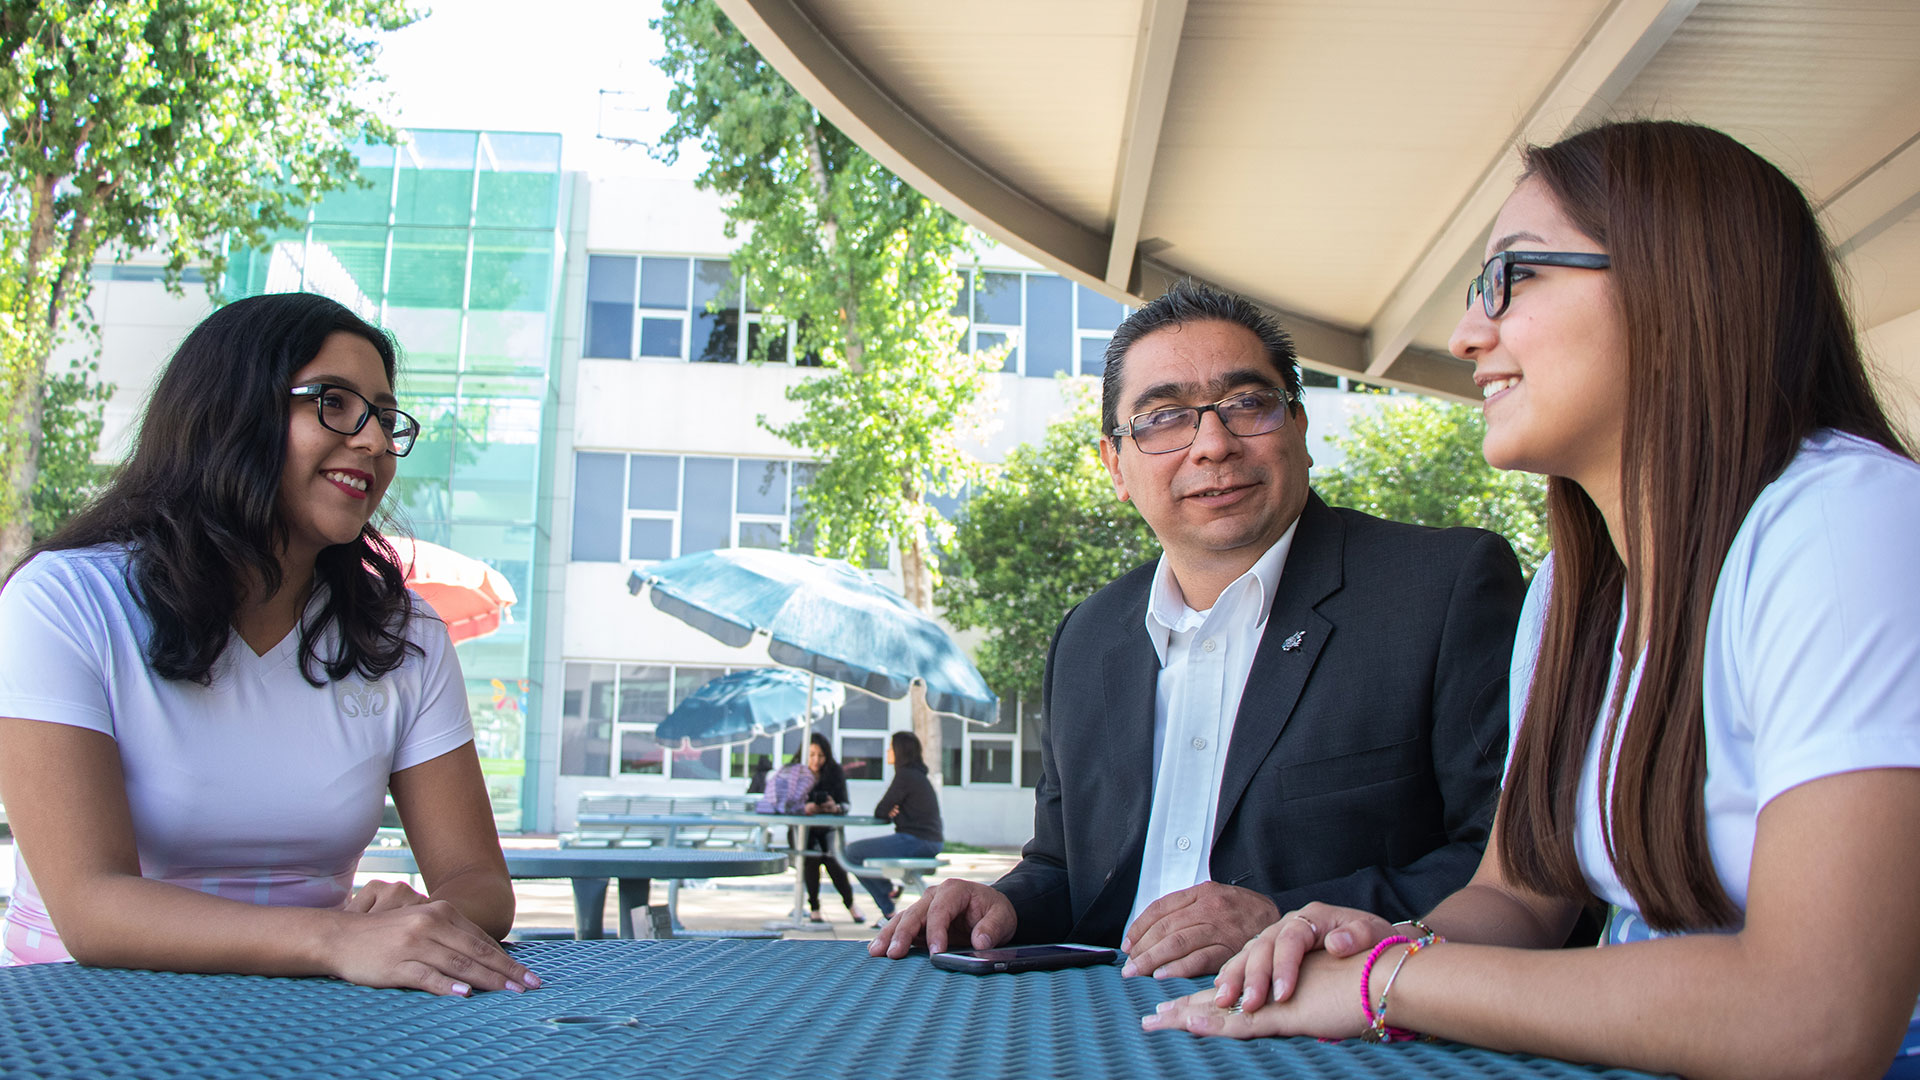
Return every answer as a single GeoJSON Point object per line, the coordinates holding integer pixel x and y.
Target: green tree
{"type": "Point", "coordinates": [863, 267]}
{"type": "Point", "coordinates": [169, 124]}
{"type": "Point", "coordinates": [1041, 533]}
{"type": "Point", "coordinates": [1419, 460]}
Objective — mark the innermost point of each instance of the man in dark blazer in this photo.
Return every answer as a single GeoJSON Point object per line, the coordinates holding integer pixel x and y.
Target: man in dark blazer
{"type": "Point", "coordinates": [1361, 702]}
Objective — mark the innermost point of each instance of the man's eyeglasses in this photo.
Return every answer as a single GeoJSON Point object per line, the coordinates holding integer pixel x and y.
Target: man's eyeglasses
{"type": "Point", "coordinates": [1495, 283]}
{"type": "Point", "coordinates": [1246, 414]}
{"type": "Point", "coordinates": [346, 411]}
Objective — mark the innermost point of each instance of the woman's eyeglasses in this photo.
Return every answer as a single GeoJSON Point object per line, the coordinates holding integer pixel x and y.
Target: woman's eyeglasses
{"type": "Point", "coordinates": [346, 411]}
{"type": "Point", "coordinates": [1495, 283]}
{"type": "Point", "coordinates": [1246, 414]}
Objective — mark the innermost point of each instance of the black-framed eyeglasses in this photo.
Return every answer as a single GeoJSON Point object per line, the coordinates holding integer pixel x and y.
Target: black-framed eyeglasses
{"type": "Point", "coordinates": [1245, 414]}
{"type": "Point", "coordinates": [1495, 283]}
{"type": "Point", "coordinates": [346, 411]}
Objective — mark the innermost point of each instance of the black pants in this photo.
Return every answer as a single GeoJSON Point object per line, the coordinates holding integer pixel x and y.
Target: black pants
{"type": "Point", "coordinates": [810, 870]}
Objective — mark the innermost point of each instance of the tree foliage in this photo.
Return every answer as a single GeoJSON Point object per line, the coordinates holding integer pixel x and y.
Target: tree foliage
{"type": "Point", "coordinates": [862, 266]}
{"type": "Point", "coordinates": [168, 124]}
{"type": "Point", "coordinates": [1419, 460]}
{"type": "Point", "coordinates": [1043, 532]}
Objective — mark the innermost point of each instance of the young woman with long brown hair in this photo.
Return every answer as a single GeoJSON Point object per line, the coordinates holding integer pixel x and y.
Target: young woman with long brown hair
{"type": "Point", "coordinates": [1716, 684]}
{"type": "Point", "coordinates": [214, 673]}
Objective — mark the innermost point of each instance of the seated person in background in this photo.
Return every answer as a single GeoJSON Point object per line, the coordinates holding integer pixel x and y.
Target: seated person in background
{"type": "Point", "coordinates": [1293, 701]}
{"type": "Point", "coordinates": [829, 796]}
{"type": "Point", "coordinates": [215, 672]}
{"type": "Point", "coordinates": [757, 782]}
{"type": "Point", "coordinates": [1717, 678]}
{"type": "Point", "coordinates": [914, 809]}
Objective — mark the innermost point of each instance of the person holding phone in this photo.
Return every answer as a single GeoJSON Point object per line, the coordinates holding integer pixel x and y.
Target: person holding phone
{"type": "Point", "coordinates": [1716, 683]}
{"type": "Point", "coordinates": [829, 796]}
{"type": "Point", "coordinates": [913, 807]}
{"type": "Point", "coordinates": [215, 673]}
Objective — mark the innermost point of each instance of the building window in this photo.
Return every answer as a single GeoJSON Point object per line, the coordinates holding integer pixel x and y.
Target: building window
{"type": "Point", "coordinates": [609, 713]}
{"type": "Point", "coordinates": [677, 505]}
{"type": "Point", "coordinates": [664, 307]}
{"type": "Point", "coordinates": [1051, 326]}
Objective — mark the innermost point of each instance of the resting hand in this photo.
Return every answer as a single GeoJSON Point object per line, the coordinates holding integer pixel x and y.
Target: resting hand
{"type": "Point", "coordinates": [811, 809]}
{"type": "Point", "coordinates": [1326, 1006]}
{"type": "Point", "coordinates": [1193, 931]}
{"type": "Point", "coordinates": [981, 915]}
{"type": "Point", "coordinates": [422, 946]}
{"type": "Point", "coordinates": [383, 896]}
{"type": "Point", "coordinates": [1271, 962]}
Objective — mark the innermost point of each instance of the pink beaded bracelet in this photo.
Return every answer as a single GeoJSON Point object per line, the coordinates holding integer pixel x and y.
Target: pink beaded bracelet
{"type": "Point", "coordinates": [1374, 1023]}
{"type": "Point", "coordinates": [1378, 1030]}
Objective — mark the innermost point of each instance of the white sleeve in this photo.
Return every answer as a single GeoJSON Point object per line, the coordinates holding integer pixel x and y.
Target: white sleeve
{"type": "Point", "coordinates": [441, 722]}
{"type": "Point", "coordinates": [1827, 641]}
{"type": "Point", "coordinates": [53, 634]}
{"type": "Point", "coordinates": [1526, 651]}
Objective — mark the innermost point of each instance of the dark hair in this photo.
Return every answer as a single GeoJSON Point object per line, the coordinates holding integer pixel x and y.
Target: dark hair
{"type": "Point", "coordinates": [197, 503]}
{"type": "Point", "coordinates": [825, 745]}
{"type": "Point", "coordinates": [906, 751]}
{"type": "Point", "coordinates": [1739, 346]}
{"type": "Point", "coordinates": [1188, 301]}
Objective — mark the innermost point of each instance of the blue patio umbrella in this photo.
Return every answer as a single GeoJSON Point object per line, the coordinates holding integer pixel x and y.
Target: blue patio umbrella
{"type": "Point", "coordinates": [823, 616]}
{"type": "Point", "coordinates": [747, 704]}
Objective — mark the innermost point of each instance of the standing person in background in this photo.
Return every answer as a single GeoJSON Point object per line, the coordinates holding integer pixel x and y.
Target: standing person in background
{"type": "Point", "coordinates": [1716, 684]}
{"type": "Point", "coordinates": [829, 796]}
{"type": "Point", "coordinates": [214, 674]}
{"type": "Point", "coordinates": [914, 809]}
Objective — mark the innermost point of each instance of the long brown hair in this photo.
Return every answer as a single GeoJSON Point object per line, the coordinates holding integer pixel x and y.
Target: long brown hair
{"type": "Point", "coordinates": [1739, 346]}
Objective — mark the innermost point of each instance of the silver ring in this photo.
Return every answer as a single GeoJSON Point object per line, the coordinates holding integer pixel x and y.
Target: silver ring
{"type": "Point", "coordinates": [1309, 922]}
{"type": "Point", "coordinates": [1233, 1009]}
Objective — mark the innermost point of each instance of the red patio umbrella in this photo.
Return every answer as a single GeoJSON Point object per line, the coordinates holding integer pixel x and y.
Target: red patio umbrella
{"type": "Point", "coordinates": [469, 595]}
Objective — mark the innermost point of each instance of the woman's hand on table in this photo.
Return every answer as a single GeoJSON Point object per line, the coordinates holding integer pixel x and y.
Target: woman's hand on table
{"type": "Point", "coordinates": [1325, 1004]}
{"type": "Point", "coordinates": [1267, 968]}
{"type": "Point", "coordinates": [426, 945]}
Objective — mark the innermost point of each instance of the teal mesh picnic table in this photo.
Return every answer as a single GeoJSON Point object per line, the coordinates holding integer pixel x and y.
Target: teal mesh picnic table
{"type": "Point", "coordinates": [669, 1009]}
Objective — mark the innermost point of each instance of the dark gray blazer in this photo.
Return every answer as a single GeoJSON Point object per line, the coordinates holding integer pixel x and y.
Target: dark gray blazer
{"type": "Point", "coordinates": [1365, 761]}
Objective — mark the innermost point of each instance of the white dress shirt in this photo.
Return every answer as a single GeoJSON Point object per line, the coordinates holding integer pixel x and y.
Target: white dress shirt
{"type": "Point", "coordinates": [1205, 657]}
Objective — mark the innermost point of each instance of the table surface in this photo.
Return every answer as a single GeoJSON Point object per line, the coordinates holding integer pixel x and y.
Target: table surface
{"type": "Point", "coordinates": [669, 1010]}
{"type": "Point", "coordinates": [604, 862]}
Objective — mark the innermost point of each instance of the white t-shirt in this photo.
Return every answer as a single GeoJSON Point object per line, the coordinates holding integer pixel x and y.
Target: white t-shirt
{"type": "Point", "coordinates": [260, 787]}
{"type": "Point", "coordinates": [1812, 662]}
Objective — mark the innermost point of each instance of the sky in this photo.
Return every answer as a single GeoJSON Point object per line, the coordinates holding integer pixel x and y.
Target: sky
{"type": "Point", "coordinates": [514, 66]}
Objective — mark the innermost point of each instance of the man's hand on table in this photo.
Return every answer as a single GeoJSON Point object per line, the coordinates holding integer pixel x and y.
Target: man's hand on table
{"type": "Point", "coordinates": [1194, 931]}
{"type": "Point", "coordinates": [955, 914]}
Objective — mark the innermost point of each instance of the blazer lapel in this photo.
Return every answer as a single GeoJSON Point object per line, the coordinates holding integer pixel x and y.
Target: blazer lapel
{"type": "Point", "coordinates": [1289, 646]}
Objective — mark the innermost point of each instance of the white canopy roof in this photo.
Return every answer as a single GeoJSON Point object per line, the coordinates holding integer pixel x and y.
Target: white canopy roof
{"type": "Point", "coordinates": [1342, 160]}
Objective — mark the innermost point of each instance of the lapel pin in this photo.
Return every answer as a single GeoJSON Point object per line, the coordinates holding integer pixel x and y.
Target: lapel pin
{"type": "Point", "coordinates": [1293, 642]}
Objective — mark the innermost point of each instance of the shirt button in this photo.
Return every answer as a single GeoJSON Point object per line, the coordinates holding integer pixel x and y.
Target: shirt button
{"type": "Point", "coordinates": [1199, 744]}
{"type": "Point", "coordinates": [1183, 843]}
{"type": "Point", "coordinates": [1207, 645]}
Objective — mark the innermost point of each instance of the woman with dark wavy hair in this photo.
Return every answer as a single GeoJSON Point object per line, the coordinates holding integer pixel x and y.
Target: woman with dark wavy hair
{"type": "Point", "coordinates": [215, 672]}
{"type": "Point", "coordinates": [1716, 683]}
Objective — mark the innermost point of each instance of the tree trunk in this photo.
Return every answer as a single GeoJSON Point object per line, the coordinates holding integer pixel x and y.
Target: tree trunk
{"type": "Point", "coordinates": [27, 410]}
{"type": "Point", "coordinates": [918, 579]}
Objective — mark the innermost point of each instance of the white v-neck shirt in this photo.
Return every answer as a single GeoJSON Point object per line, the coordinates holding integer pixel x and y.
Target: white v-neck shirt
{"type": "Point", "coordinates": [259, 787]}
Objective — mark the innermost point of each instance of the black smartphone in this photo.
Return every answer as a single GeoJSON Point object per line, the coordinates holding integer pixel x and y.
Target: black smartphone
{"type": "Point", "coordinates": [1022, 958]}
